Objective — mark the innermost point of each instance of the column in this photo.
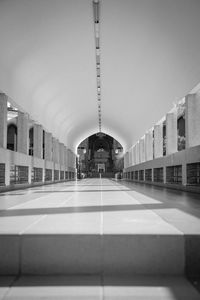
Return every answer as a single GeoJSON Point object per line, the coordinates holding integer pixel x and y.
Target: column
{"type": "Point", "coordinates": [22, 133]}
{"type": "Point", "coordinates": [141, 150]}
{"type": "Point", "coordinates": [125, 160]}
{"type": "Point", "coordinates": [133, 155]}
{"type": "Point", "coordinates": [130, 157]}
{"type": "Point", "coordinates": [158, 140]}
{"type": "Point", "coordinates": [192, 120]}
{"type": "Point", "coordinates": [61, 154]}
{"type": "Point", "coordinates": [54, 149]}
{"type": "Point", "coordinates": [137, 150]}
{"type": "Point", "coordinates": [57, 151]}
{"type": "Point", "coordinates": [3, 120]}
{"type": "Point", "coordinates": [171, 133]}
{"type": "Point", "coordinates": [48, 146]}
{"type": "Point", "coordinates": [37, 141]}
{"type": "Point", "coordinates": [149, 145]}
{"type": "Point", "coordinates": [65, 157]}
{"type": "Point", "coordinates": [184, 173]}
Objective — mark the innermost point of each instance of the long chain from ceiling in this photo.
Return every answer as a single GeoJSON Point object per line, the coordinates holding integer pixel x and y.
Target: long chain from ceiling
{"type": "Point", "coordinates": [96, 8]}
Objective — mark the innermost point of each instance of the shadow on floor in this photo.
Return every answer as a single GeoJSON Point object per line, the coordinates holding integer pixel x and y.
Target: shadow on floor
{"type": "Point", "coordinates": [88, 209]}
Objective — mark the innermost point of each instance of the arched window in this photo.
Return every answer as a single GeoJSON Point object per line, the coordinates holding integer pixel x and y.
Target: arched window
{"type": "Point", "coordinates": [12, 137]}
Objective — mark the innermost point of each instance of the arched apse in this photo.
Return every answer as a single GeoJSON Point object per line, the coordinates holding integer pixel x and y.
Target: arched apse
{"type": "Point", "coordinates": [99, 153]}
{"type": "Point", "coordinates": [77, 134]}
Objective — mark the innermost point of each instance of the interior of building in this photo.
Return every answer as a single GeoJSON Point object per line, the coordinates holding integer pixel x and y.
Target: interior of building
{"type": "Point", "coordinates": [100, 149]}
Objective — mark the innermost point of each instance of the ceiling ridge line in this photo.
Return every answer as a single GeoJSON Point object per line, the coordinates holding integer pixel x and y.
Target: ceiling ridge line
{"type": "Point", "coordinates": [96, 14]}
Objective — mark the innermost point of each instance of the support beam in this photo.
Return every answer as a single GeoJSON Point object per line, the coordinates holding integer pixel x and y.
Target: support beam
{"type": "Point", "coordinates": [171, 133]}
{"type": "Point", "coordinates": [192, 116]}
{"type": "Point", "coordinates": [3, 120]}
{"type": "Point", "coordinates": [22, 133]}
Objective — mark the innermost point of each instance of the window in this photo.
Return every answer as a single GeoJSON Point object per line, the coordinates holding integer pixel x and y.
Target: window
{"type": "Point", "coordinates": [18, 174]}
{"type": "Point", "coordinates": [174, 174]}
{"type": "Point", "coordinates": [12, 137]}
{"type": "Point", "coordinates": [141, 175]}
{"type": "Point", "coordinates": [56, 174]}
{"type": "Point", "coordinates": [48, 175]}
{"type": "Point", "coordinates": [2, 174]}
{"type": "Point", "coordinates": [61, 175]}
{"type": "Point", "coordinates": [148, 175]}
{"type": "Point", "coordinates": [193, 174]}
{"type": "Point", "coordinates": [158, 174]}
{"type": "Point", "coordinates": [37, 175]}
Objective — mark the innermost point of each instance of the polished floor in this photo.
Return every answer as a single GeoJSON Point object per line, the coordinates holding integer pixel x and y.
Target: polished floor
{"type": "Point", "coordinates": [96, 239]}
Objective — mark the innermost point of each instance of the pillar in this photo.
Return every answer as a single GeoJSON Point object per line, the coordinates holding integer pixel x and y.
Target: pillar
{"type": "Point", "coordinates": [130, 157]}
{"type": "Point", "coordinates": [141, 150]}
{"type": "Point", "coordinates": [68, 158]}
{"type": "Point", "coordinates": [133, 155]}
{"type": "Point", "coordinates": [37, 141]}
{"type": "Point", "coordinates": [125, 161]}
{"type": "Point", "coordinates": [192, 120]}
{"type": "Point", "coordinates": [149, 145]}
{"type": "Point", "coordinates": [65, 157]}
{"type": "Point", "coordinates": [3, 120]}
{"type": "Point", "coordinates": [61, 153]}
{"type": "Point", "coordinates": [22, 133]}
{"type": "Point", "coordinates": [171, 133]}
{"type": "Point", "coordinates": [184, 173]}
{"type": "Point", "coordinates": [57, 151]}
{"type": "Point", "coordinates": [137, 154]}
{"type": "Point", "coordinates": [158, 140]}
{"type": "Point", "coordinates": [48, 146]}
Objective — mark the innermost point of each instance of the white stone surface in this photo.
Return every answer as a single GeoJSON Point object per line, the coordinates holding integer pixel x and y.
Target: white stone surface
{"type": "Point", "coordinates": [38, 141]}
{"type": "Point", "coordinates": [192, 116]}
{"type": "Point", "coordinates": [3, 120]}
{"type": "Point", "coordinates": [149, 146]}
{"type": "Point", "coordinates": [48, 146]}
{"type": "Point", "coordinates": [22, 133]}
{"type": "Point", "coordinates": [171, 133]}
{"type": "Point", "coordinates": [158, 140]}
{"type": "Point", "coordinates": [142, 150]}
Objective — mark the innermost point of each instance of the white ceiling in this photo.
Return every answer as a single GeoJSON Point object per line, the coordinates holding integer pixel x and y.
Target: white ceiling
{"type": "Point", "coordinates": [150, 58]}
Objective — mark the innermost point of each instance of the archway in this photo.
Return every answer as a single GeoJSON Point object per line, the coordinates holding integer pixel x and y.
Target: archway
{"type": "Point", "coordinates": [99, 153]}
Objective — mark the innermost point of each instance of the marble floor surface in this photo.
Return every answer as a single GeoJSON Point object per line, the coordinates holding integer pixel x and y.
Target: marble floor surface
{"type": "Point", "coordinates": [131, 220]}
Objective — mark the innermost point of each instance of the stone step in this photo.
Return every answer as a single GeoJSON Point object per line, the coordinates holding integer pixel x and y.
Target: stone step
{"type": "Point", "coordinates": [49, 254]}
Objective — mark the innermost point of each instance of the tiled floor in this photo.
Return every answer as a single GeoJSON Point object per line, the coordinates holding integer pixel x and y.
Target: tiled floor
{"type": "Point", "coordinates": [93, 288]}
{"type": "Point", "coordinates": [96, 226]}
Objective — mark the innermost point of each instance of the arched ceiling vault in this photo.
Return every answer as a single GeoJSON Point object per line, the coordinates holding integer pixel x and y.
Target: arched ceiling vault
{"type": "Point", "coordinates": [150, 58]}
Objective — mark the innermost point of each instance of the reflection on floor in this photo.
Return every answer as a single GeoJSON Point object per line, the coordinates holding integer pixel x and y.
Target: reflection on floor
{"type": "Point", "coordinates": [99, 239]}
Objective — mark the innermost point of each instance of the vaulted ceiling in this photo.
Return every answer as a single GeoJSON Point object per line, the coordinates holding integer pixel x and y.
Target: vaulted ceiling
{"type": "Point", "coordinates": [150, 58]}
